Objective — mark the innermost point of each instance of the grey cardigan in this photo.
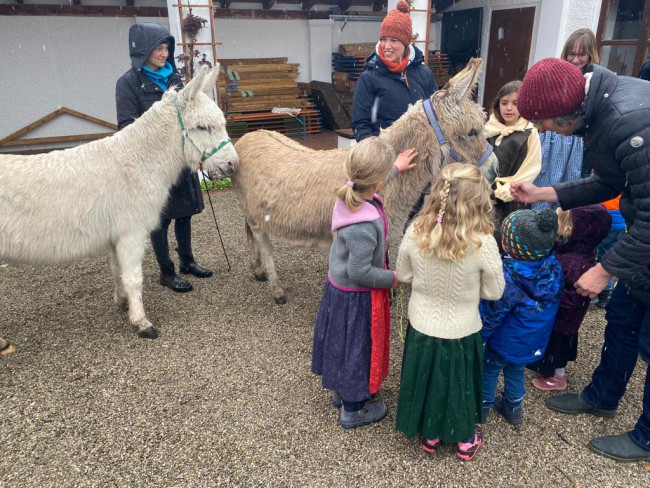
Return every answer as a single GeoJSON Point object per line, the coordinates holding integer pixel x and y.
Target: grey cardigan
{"type": "Point", "coordinates": [357, 255]}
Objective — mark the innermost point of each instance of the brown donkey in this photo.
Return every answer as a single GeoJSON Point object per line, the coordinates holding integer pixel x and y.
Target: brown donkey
{"type": "Point", "coordinates": [287, 191]}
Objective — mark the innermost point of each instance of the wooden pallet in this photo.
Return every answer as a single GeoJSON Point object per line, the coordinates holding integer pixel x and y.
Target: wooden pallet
{"type": "Point", "coordinates": [249, 89]}
{"type": "Point", "coordinates": [361, 48]}
{"type": "Point", "coordinates": [439, 63]}
{"type": "Point", "coordinates": [308, 121]}
{"type": "Point", "coordinates": [259, 84]}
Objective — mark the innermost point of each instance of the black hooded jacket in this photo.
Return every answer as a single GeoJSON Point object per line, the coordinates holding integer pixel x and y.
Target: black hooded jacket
{"type": "Point", "coordinates": [135, 93]}
{"type": "Point", "coordinates": [616, 131]}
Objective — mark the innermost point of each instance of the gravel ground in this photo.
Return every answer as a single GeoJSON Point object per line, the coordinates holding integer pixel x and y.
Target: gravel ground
{"type": "Point", "coordinates": [225, 397]}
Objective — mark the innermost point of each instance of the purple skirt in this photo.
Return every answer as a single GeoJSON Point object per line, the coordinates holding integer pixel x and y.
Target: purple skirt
{"type": "Point", "coordinates": [342, 345]}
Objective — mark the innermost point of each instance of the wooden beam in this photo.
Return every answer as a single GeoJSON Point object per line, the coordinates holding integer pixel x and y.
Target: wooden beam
{"type": "Point", "coordinates": [308, 4]}
{"type": "Point", "coordinates": [82, 10]}
{"type": "Point", "coordinates": [231, 13]}
{"type": "Point", "coordinates": [267, 4]}
{"type": "Point", "coordinates": [12, 139]}
{"type": "Point", "coordinates": [50, 140]}
{"type": "Point", "coordinates": [31, 127]}
{"type": "Point", "coordinates": [89, 118]}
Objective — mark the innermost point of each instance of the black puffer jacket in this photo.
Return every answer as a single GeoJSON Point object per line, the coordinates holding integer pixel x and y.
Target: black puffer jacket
{"type": "Point", "coordinates": [616, 130]}
{"type": "Point", "coordinates": [391, 93]}
{"type": "Point", "coordinates": [135, 93]}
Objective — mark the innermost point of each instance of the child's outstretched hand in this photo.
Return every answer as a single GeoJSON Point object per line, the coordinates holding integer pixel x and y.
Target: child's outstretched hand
{"type": "Point", "coordinates": [403, 161]}
{"type": "Point", "coordinates": [396, 282]}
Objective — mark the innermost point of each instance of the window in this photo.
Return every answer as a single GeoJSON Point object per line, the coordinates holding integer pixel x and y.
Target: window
{"type": "Point", "coordinates": [623, 32]}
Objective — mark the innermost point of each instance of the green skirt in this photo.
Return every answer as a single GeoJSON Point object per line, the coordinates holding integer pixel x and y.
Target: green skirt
{"type": "Point", "coordinates": [441, 389]}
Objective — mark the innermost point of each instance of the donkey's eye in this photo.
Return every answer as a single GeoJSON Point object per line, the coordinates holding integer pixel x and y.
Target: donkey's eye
{"type": "Point", "coordinates": [203, 127]}
{"type": "Point", "coordinates": [473, 133]}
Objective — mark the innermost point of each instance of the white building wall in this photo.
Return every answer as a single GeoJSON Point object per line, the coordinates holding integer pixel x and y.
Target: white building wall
{"type": "Point", "coordinates": [54, 61]}
{"type": "Point", "coordinates": [580, 14]}
{"type": "Point", "coordinates": [50, 62]}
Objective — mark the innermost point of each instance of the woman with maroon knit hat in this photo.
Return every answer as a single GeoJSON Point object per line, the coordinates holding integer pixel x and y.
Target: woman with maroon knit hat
{"type": "Point", "coordinates": [612, 114]}
{"type": "Point", "coordinates": [394, 77]}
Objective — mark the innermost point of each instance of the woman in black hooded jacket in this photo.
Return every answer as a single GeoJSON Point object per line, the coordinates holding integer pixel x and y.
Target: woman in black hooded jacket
{"type": "Point", "coordinates": [152, 72]}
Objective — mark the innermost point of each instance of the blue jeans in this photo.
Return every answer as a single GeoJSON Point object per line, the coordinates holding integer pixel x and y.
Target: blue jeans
{"type": "Point", "coordinates": [513, 379]}
{"type": "Point", "coordinates": [626, 336]}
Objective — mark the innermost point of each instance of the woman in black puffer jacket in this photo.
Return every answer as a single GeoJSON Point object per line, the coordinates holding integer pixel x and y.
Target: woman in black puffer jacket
{"type": "Point", "coordinates": [153, 71]}
{"type": "Point", "coordinates": [614, 119]}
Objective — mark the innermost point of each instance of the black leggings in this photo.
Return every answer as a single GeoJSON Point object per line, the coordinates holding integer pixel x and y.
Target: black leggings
{"type": "Point", "coordinates": [160, 242]}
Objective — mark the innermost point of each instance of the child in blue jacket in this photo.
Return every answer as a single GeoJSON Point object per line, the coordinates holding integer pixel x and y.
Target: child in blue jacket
{"type": "Point", "coordinates": [516, 328]}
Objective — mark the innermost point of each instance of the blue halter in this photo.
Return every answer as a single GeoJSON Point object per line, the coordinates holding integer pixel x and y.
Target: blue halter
{"type": "Point", "coordinates": [427, 105]}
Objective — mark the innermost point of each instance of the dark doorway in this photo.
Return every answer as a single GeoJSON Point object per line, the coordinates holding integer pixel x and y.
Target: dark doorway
{"type": "Point", "coordinates": [461, 37]}
{"type": "Point", "coordinates": [511, 32]}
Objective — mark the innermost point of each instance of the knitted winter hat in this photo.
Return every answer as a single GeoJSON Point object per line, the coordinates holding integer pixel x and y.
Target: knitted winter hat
{"type": "Point", "coordinates": [397, 24]}
{"type": "Point", "coordinates": [529, 235]}
{"type": "Point", "coordinates": [551, 88]}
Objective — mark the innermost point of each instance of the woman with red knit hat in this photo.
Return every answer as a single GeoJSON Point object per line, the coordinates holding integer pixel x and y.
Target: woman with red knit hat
{"type": "Point", "coordinates": [612, 114]}
{"type": "Point", "coordinates": [394, 77]}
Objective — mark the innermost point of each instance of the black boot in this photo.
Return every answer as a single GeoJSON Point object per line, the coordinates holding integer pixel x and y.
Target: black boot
{"type": "Point", "coordinates": [168, 276]}
{"type": "Point", "coordinates": [190, 267]}
{"type": "Point", "coordinates": [170, 279]}
{"type": "Point", "coordinates": [183, 230]}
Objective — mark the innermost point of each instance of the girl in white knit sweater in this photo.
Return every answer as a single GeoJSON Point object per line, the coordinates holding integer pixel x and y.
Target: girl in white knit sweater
{"type": "Point", "coordinates": [450, 257]}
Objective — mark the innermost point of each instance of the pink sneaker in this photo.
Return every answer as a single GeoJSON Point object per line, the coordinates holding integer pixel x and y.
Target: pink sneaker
{"type": "Point", "coordinates": [550, 383]}
{"type": "Point", "coordinates": [467, 450]}
{"type": "Point", "coordinates": [429, 445]}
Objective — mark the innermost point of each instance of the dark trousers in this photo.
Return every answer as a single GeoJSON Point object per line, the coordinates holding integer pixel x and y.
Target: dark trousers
{"type": "Point", "coordinates": [626, 336]}
{"type": "Point", "coordinates": [160, 243]}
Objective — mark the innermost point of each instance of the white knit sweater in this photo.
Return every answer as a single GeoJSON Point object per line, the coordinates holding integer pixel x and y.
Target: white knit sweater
{"type": "Point", "coordinates": [445, 295]}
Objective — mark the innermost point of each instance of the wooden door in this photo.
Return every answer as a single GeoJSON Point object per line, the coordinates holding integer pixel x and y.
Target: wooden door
{"type": "Point", "coordinates": [511, 31]}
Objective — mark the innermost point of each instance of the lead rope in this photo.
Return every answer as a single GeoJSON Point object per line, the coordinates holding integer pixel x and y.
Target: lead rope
{"type": "Point", "coordinates": [400, 298]}
{"type": "Point", "coordinates": [214, 215]}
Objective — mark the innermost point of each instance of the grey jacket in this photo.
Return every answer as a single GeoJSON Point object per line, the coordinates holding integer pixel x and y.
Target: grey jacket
{"type": "Point", "coordinates": [357, 255]}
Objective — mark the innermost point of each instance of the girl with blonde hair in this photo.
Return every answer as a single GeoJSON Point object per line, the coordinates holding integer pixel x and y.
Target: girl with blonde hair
{"type": "Point", "coordinates": [451, 259]}
{"type": "Point", "coordinates": [352, 330]}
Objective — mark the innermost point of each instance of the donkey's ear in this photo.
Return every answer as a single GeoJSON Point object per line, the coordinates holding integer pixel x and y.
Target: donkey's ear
{"type": "Point", "coordinates": [210, 81]}
{"type": "Point", "coordinates": [193, 87]}
{"type": "Point", "coordinates": [460, 86]}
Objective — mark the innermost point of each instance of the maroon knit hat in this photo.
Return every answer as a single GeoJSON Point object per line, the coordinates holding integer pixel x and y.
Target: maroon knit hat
{"type": "Point", "coordinates": [551, 88]}
{"type": "Point", "coordinates": [397, 24]}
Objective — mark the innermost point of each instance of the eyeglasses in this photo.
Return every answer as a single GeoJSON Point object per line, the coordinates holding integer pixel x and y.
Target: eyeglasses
{"type": "Point", "coordinates": [577, 55]}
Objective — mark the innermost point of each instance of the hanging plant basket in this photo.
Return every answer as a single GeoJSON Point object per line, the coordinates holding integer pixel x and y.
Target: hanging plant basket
{"type": "Point", "coordinates": [192, 24]}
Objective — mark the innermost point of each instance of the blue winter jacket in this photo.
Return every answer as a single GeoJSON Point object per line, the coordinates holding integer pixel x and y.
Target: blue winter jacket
{"type": "Point", "coordinates": [381, 97]}
{"type": "Point", "coordinates": [519, 324]}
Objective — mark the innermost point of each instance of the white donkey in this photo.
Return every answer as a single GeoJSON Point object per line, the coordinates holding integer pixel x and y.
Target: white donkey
{"type": "Point", "coordinates": [108, 194]}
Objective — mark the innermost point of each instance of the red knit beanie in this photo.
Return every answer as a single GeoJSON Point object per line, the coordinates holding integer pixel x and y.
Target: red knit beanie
{"type": "Point", "coordinates": [397, 24]}
{"type": "Point", "coordinates": [551, 88]}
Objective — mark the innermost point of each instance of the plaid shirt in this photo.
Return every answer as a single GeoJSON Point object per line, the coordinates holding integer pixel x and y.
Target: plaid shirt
{"type": "Point", "coordinates": [561, 161]}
